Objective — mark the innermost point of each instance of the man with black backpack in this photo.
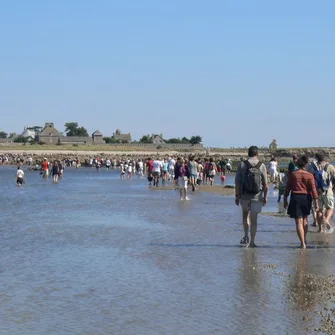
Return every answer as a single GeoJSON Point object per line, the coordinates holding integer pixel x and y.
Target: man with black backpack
{"type": "Point", "coordinates": [251, 188]}
{"type": "Point", "coordinates": [324, 174]}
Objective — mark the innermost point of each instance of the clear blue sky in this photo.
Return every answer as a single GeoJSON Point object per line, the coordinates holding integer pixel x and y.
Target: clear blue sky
{"type": "Point", "coordinates": [235, 72]}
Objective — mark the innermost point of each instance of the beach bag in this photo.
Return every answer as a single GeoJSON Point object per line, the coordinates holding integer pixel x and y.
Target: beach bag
{"type": "Point", "coordinates": [253, 178]}
{"type": "Point", "coordinates": [322, 178]}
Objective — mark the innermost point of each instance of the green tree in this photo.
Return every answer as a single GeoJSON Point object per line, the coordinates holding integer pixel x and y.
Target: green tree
{"type": "Point", "coordinates": [3, 134]}
{"type": "Point", "coordinates": [185, 140]}
{"type": "Point", "coordinates": [173, 140]}
{"type": "Point", "coordinates": [20, 139]}
{"type": "Point", "coordinates": [73, 129]}
{"type": "Point", "coordinates": [110, 140]}
{"type": "Point", "coordinates": [11, 135]}
{"type": "Point", "coordinates": [146, 139]}
{"type": "Point", "coordinates": [195, 139]}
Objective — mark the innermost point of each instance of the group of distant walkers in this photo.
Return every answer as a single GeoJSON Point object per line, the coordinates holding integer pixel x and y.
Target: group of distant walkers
{"type": "Point", "coordinates": [56, 169]}
{"type": "Point", "coordinates": [309, 186]}
{"type": "Point", "coordinates": [184, 172]}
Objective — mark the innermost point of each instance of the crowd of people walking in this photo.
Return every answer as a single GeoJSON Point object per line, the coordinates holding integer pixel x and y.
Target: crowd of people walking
{"type": "Point", "coordinates": [307, 185]}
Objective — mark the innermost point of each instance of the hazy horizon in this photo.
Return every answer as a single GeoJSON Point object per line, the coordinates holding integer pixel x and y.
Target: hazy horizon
{"type": "Point", "coordinates": [235, 73]}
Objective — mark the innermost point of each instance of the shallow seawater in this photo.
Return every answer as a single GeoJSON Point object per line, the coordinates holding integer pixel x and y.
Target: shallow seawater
{"type": "Point", "coordinates": [98, 255]}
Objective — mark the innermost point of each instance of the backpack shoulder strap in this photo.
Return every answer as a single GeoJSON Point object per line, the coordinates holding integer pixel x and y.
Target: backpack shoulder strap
{"type": "Point", "coordinates": [247, 163]}
{"type": "Point", "coordinates": [259, 164]}
{"type": "Point", "coordinates": [315, 168]}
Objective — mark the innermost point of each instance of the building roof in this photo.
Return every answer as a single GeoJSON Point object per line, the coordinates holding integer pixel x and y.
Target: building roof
{"type": "Point", "coordinates": [50, 130]}
{"type": "Point", "coordinates": [97, 133]}
{"type": "Point", "coordinates": [28, 133]}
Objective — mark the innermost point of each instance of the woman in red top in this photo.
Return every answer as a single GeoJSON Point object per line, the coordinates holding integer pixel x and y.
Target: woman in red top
{"type": "Point", "coordinates": [301, 185]}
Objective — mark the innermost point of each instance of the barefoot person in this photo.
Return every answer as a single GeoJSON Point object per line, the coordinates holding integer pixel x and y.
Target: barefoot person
{"type": "Point", "coordinates": [301, 186]}
{"type": "Point", "coordinates": [19, 176]}
{"type": "Point", "coordinates": [55, 172]}
{"type": "Point", "coordinates": [45, 168]}
{"type": "Point", "coordinates": [251, 193]}
{"type": "Point", "coordinates": [182, 175]}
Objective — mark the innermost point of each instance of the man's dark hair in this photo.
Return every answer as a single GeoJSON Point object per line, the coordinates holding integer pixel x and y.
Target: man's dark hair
{"type": "Point", "coordinates": [253, 151]}
{"type": "Point", "coordinates": [320, 157]}
{"type": "Point", "coordinates": [302, 161]}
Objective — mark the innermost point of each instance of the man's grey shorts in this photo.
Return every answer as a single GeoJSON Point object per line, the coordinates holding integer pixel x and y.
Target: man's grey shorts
{"type": "Point", "coordinates": [251, 205]}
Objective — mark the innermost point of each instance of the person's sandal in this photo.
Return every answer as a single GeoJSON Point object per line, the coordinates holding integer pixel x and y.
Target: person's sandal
{"type": "Point", "coordinates": [252, 245]}
{"type": "Point", "coordinates": [244, 240]}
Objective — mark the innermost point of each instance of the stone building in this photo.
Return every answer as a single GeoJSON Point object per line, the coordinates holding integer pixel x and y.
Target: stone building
{"type": "Point", "coordinates": [122, 138]}
{"type": "Point", "coordinates": [98, 137]}
{"type": "Point", "coordinates": [50, 135]}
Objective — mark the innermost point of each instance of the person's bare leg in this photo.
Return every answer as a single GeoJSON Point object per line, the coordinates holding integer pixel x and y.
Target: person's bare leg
{"type": "Point", "coordinates": [300, 232]}
{"type": "Point", "coordinates": [328, 215]}
{"type": "Point", "coordinates": [245, 219]}
{"type": "Point", "coordinates": [314, 216]}
{"type": "Point", "coordinates": [319, 218]}
{"type": "Point", "coordinates": [185, 190]}
{"type": "Point", "coordinates": [305, 223]}
{"type": "Point", "coordinates": [253, 227]}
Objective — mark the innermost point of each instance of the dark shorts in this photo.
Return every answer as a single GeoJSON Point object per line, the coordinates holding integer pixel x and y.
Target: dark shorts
{"type": "Point", "coordinates": [300, 206]}
{"type": "Point", "coordinates": [19, 181]}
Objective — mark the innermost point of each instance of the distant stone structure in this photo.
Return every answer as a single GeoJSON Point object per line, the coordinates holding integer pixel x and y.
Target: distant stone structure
{"type": "Point", "coordinates": [98, 137]}
{"type": "Point", "coordinates": [50, 135]}
{"type": "Point", "coordinates": [273, 145]}
{"type": "Point", "coordinates": [121, 138]}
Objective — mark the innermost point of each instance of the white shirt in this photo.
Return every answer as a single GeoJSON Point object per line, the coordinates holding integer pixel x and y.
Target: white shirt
{"type": "Point", "coordinates": [108, 162]}
{"type": "Point", "coordinates": [157, 165]}
{"type": "Point", "coordinates": [273, 165]}
{"type": "Point", "coordinates": [172, 163]}
{"type": "Point", "coordinates": [19, 173]}
{"type": "Point", "coordinates": [140, 165]}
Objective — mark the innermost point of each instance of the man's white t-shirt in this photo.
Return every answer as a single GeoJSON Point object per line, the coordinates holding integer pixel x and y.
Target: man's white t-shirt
{"type": "Point", "coordinates": [140, 165]}
{"type": "Point", "coordinates": [19, 173]}
{"type": "Point", "coordinates": [157, 165]}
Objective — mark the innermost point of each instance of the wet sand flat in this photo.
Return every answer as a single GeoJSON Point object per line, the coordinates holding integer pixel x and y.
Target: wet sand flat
{"type": "Point", "coordinates": [98, 255]}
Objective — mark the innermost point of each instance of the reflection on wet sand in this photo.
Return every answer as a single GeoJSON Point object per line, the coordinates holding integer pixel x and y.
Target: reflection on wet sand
{"type": "Point", "coordinates": [311, 292]}
{"type": "Point", "coordinates": [250, 291]}
{"type": "Point", "coordinates": [302, 289]}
